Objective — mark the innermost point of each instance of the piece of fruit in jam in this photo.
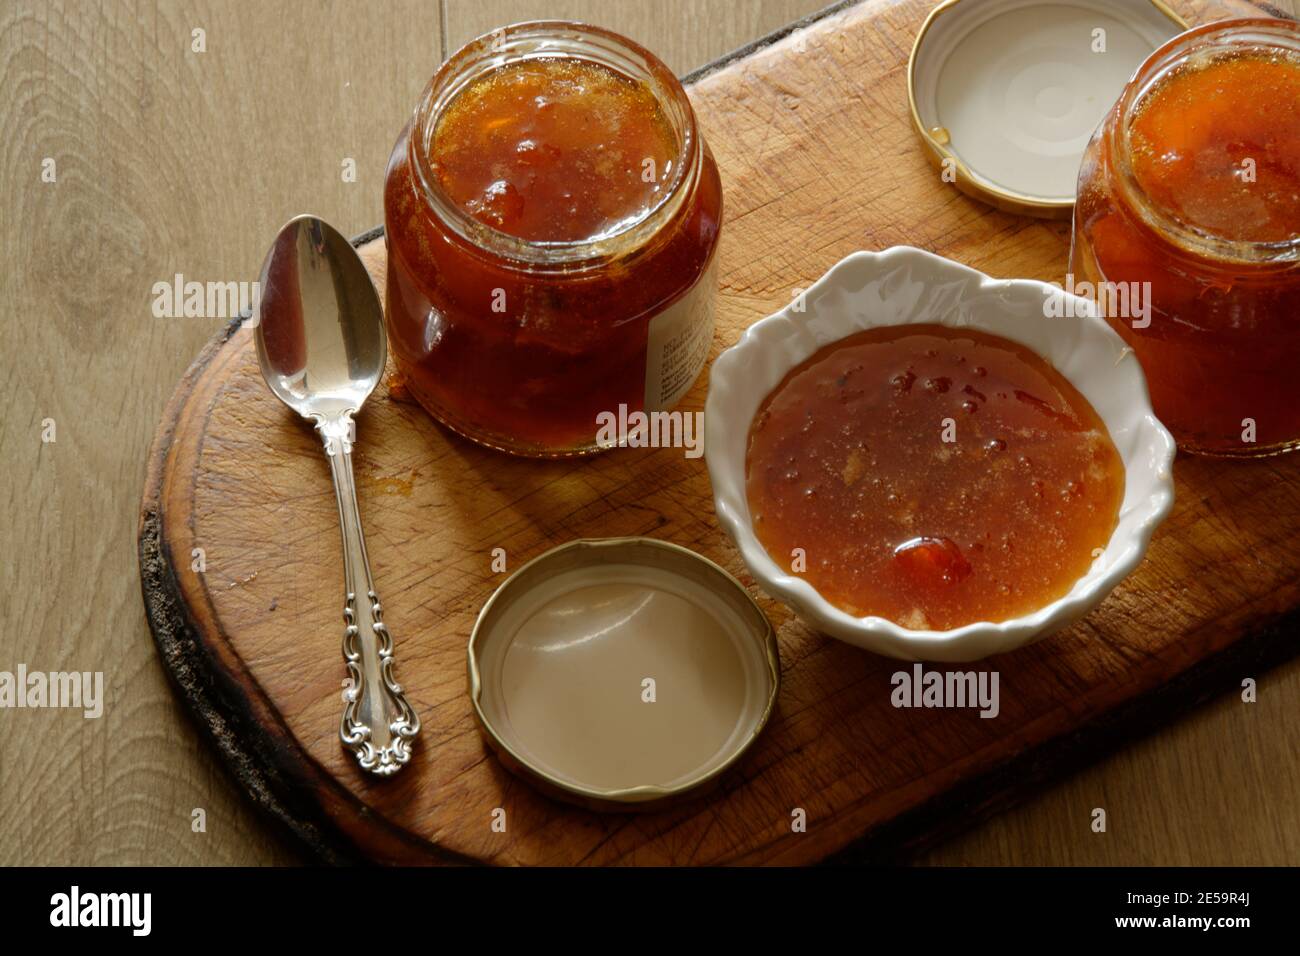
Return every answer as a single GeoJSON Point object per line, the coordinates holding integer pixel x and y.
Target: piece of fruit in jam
{"type": "Point", "coordinates": [501, 205]}
{"type": "Point", "coordinates": [932, 561]}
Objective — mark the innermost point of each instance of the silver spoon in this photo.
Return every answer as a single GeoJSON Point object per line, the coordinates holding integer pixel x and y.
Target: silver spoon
{"type": "Point", "coordinates": [321, 346]}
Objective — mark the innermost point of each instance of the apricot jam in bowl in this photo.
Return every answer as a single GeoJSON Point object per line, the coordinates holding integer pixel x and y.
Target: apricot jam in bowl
{"type": "Point", "coordinates": [932, 464]}
{"type": "Point", "coordinates": [551, 216]}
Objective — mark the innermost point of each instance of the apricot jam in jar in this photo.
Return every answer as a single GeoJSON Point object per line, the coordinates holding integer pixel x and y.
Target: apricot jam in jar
{"type": "Point", "coordinates": [552, 215]}
{"type": "Point", "coordinates": [1189, 199]}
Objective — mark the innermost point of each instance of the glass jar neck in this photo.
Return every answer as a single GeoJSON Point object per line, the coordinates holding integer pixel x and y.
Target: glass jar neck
{"type": "Point", "coordinates": [553, 39]}
{"type": "Point", "coordinates": [1223, 38]}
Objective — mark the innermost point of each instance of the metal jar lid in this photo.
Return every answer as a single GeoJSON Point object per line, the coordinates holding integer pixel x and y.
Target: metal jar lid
{"type": "Point", "coordinates": [622, 673]}
{"type": "Point", "coordinates": [1006, 94]}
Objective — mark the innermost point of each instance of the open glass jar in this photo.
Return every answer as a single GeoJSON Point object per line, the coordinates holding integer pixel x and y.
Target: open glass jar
{"type": "Point", "coordinates": [1188, 219]}
{"type": "Point", "coordinates": [552, 215]}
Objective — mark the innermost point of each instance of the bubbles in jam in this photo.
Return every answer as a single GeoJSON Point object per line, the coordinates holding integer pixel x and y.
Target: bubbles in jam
{"type": "Point", "coordinates": [932, 476]}
{"type": "Point", "coordinates": [554, 150]}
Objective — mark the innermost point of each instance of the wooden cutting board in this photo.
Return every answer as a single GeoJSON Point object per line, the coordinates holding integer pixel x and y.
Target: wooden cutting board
{"type": "Point", "coordinates": [812, 134]}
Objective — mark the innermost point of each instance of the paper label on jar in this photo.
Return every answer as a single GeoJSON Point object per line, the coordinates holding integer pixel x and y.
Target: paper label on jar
{"type": "Point", "coordinates": [677, 343]}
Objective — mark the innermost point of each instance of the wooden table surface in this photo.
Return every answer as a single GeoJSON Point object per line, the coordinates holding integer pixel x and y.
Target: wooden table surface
{"type": "Point", "coordinates": [171, 161]}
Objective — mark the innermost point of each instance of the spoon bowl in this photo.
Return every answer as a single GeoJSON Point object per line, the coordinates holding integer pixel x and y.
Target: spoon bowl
{"type": "Point", "coordinates": [320, 325]}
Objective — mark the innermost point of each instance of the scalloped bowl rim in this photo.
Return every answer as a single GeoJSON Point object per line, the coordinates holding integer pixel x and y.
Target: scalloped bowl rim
{"type": "Point", "coordinates": [1152, 459]}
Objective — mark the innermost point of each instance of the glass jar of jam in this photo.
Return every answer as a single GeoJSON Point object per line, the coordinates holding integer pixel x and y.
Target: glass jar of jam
{"type": "Point", "coordinates": [552, 215]}
{"type": "Point", "coordinates": [1188, 219]}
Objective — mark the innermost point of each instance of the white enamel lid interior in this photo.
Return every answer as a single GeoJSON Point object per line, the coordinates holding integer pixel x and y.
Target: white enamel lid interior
{"type": "Point", "coordinates": [1017, 87]}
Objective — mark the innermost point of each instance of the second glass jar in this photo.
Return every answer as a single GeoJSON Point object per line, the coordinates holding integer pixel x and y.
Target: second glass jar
{"type": "Point", "coordinates": [1190, 190]}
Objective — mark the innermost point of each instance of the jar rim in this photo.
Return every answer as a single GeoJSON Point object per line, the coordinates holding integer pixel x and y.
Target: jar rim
{"type": "Point", "coordinates": [1221, 36]}
{"type": "Point", "coordinates": [549, 39]}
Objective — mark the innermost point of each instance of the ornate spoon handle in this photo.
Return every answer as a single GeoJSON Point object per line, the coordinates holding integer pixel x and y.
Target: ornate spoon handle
{"type": "Point", "coordinates": [378, 724]}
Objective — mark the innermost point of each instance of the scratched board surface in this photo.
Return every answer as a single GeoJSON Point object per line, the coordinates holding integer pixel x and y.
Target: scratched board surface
{"type": "Point", "coordinates": [812, 134]}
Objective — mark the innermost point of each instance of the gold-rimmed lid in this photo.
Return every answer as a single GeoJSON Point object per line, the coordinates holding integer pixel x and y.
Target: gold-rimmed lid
{"type": "Point", "coordinates": [1006, 94]}
{"type": "Point", "coordinates": [622, 673]}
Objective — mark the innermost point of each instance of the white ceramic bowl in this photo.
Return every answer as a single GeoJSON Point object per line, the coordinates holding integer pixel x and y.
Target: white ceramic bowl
{"type": "Point", "coordinates": [904, 286]}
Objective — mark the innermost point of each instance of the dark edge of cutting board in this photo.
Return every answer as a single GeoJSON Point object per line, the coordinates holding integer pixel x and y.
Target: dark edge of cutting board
{"type": "Point", "coordinates": [780, 33]}
{"type": "Point", "coordinates": [271, 768]}
{"type": "Point", "coordinates": [254, 756]}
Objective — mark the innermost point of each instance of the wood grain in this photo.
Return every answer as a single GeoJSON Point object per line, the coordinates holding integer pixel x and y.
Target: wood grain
{"type": "Point", "coordinates": [700, 30]}
{"type": "Point", "coordinates": [167, 161]}
{"type": "Point", "coordinates": [234, 474]}
{"type": "Point", "coordinates": [166, 164]}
